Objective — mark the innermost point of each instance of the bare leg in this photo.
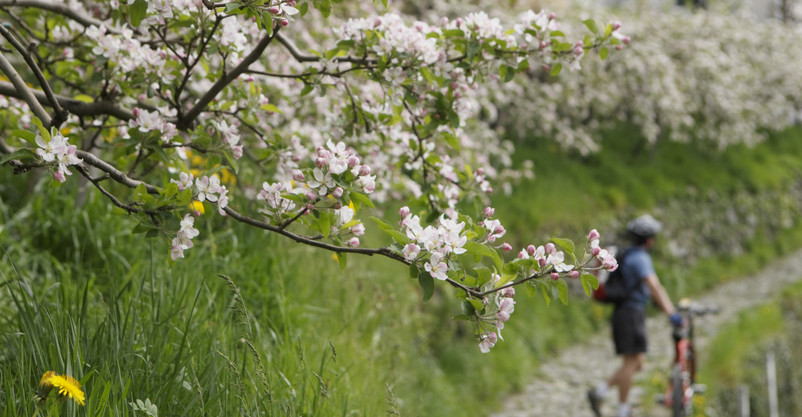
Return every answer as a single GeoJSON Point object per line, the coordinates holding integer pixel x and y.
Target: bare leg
{"type": "Point", "coordinates": [631, 364]}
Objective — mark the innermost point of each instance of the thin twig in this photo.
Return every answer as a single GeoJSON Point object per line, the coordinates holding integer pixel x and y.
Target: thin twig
{"type": "Point", "coordinates": [300, 57]}
{"type": "Point", "coordinates": [127, 207]}
{"type": "Point", "coordinates": [61, 8]}
{"type": "Point", "coordinates": [76, 107]}
{"type": "Point", "coordinates": [23, 90]}
{"type": "Point", "coordinates": [186, 121]}
{"type": "Point", "coordinates": [60, 114]}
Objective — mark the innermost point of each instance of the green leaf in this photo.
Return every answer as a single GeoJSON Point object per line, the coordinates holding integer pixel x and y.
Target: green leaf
{"type": "Point", "coordinates": [566, 244]}
{"type": "Point", "coordinates": [397, 236]}
{"type": "Point", "coordinates": [138, 11]}
{"type": "Point", "coordinates": [362, 199]}
{"type": "Point", "coordinates": [562, 290]}
{"type": "Point", "coordinates": [426, 284]}
{"type": "Point", "coordinates": [343, 260]}
{"type": "Point", "coordinates": [589, 283]}
{"type": "Point", "coordinates": [545, 292]}
{"type": "Point", "coordinates": [557, 33]}
{"type": "Point", "coordinates": [84, 98]}
{"type": "Point", "coordinates": [270, 107]}
{"type": "Point", "coordinates": [414, 271]}
{"type": "Point", "coordinates": [42, 131]}
{"type": "Point", "coordinates": [382, 224]}
{"type": "Point", "coordinates": [591, 24]}
{"type": "Point", "coordinates": [555, 69]}
{"type": "Point", "coordinates": [427, 74]}
{"type": "Point", "coordinates": [19, 154]}
{"type": "Point", "coordinates": [452, 140]}
{"type": "Point", "coordinates": [267, 21]}
{"type": "Point", "coordinates": [324, 224]}
{"type": "Point", "coordinates": [303, 8]}
{"type": "Point", "coordinates": [477, 248]}
{"type": "Point", "coordinates": [25, 135]}
{"type": "Point", "coordinates": [603, 52]}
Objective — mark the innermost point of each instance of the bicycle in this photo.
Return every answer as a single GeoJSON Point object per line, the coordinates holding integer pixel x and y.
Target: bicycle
{"type": "Point", "coordinates": [682, 381]}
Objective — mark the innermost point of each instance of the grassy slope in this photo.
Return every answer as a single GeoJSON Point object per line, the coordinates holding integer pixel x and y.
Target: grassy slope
{"type": "Point", "coordinates": [110, 308]}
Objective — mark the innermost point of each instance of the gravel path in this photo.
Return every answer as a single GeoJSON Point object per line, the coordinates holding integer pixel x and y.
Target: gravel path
{"type": "Point", "coordinates": [560, 387]}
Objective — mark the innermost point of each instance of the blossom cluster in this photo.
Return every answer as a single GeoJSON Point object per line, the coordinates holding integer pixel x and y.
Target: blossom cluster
{"type": "Point", "coordinates": [439, 242]}
{"type": "Point", "coordinates": [147, 121]}
{"type": "Point", "coordinates": [183, 240]}
{"type": "Point", "coordinates": [57, 149]}
{"type": "Point", "coordinates": [207, 188]}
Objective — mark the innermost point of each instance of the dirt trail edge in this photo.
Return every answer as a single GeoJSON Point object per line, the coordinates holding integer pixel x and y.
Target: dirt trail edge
{"type": "Point", "coordinates": [560, 386]}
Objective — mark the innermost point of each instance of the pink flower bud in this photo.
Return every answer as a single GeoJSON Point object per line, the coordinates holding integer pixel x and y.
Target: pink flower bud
{"type": "Point", "coordinates": [543, 45]}
{"type": "Point", "coordinates": [619, 47]}
{"type": "Point", "coordinates": [593, 235]}
{"type": "Point", "coordinates": [403, 212]}
{"type": "Point", "coordinates": [595, 250]}
{"type": "Point", "coordinates": [531, 249]}
{"type": "Point", "coordinates": [59, 176]}
{"type": "Point", "coordinates": [626, 40]}
{"type": "Point", "coordinates": [136, 111]}
{"type": "Point", "coordinates": [578, 51]}
{"type": "Point", "coordinates": [555, 276]}
{"type": "Point", "coordinates": [522, 255]}
{"type": "Point", "coordinates": [320, 162]}
{"type": "Point", "coordinates": [506, 247]}
{"type": "Point", "coordinates": [459, 21]}
{"type": "Point", "coordinates": [573, 274]}
{"type": "Point", "coordinates": [499, 230]}
{"type": "Point", "coordinates": [337, 193]}
{"type": "Point", "coordinates": [284, 22]}
{"type": "Point", "coordinates": [541, 262]}
{"type": "Point", "coordinates": [370, 187]}
{"type": "Point", "coordinates": [552, 15]}
{"type": "Point", "coordinates": [508, 292]}
{"type": "Point", "coordinates": [297, 175]}
{"type": "Point", "coordinates": [274, 10]}
{"type": "Point", "coordinates": [353, 161]}
{"type": "Point", "coordinates": [311, 195]}
{"type": "Point", "coordinates": [550, 248]}
{"type": "Point", "coordinates": [364, 170]}
{"type": "Point", "coordinates": [353, 242]}
{"type": "Point", "coordinates": [616, 25]}
{"type": "Point", "coordinates": [377, 22]}
{"type": "Point", "coordinates": [444, 20]}
{"type": "Point", "coordinates": [488, 212]}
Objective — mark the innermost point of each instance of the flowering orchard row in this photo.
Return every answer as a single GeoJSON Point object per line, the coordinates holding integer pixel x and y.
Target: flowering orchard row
{"type": "Point", "coordinates": [723, 79]}
{"type": "Point", "coordinates": [157, 103]}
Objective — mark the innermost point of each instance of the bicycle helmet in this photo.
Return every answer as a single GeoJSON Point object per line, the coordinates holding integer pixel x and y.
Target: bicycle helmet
{"type": "Point", "coordinates": [644, 226]}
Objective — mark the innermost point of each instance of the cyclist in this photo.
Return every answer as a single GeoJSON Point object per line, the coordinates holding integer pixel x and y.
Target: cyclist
{"type": "Point", "coordinates": [629, 318]}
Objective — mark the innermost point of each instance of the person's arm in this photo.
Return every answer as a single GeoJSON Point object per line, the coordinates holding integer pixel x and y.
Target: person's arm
{"type": "Point", "coordinates": [659, 294]}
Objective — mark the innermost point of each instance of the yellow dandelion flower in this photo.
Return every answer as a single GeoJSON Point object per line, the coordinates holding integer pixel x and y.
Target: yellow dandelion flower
{"type": "Point", "coordinates": [197, 206]}
{"type": "Point", "coordinates": [66, 385]}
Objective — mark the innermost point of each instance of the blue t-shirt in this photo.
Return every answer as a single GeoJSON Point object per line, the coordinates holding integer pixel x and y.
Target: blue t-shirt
{"type": "Point", "coordinates": [635, 268]}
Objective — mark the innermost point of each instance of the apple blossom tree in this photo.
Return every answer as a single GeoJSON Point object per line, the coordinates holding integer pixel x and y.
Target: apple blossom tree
{"type": "Point", "coordinates": [275, 114]}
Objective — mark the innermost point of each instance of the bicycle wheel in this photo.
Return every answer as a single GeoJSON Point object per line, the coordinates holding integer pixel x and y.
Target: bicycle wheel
{"type": "Point", "coordinates": [677, 393]}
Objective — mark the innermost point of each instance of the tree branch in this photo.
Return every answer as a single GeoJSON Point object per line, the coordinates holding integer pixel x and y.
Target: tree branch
{"type": "Point", "coordinates": [24, 92]}
{"type": "Point", "coordinates": [56, 7]}
{"type": "Point", "coordinates": [60, 114]}
{"type": "Point", "coordinates": [300, 57]}
{"type": "Point", "coordinates": [186, 121]}
{"type": "Point", "coordinates": [76, 107]}
{"type": "Point", "coordinates": [114, 173]}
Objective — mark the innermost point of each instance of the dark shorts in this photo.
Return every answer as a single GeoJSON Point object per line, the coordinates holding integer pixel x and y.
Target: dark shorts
{"type": "Point", "coordinates": [629, 331]}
